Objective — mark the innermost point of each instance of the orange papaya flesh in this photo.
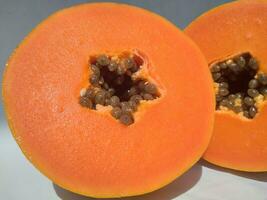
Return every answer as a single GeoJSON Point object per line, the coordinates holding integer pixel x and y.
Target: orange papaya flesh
{"type": "Point", "coordinates": [87, 151]}
{"type": "Point", "coordinates": [237, 28]}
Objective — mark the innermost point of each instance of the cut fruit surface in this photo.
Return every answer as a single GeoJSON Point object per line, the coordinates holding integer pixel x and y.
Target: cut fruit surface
{"type": "Point", "coordinates": [86, 150]}
{"type": "Point", "coordinates": [233, 39]}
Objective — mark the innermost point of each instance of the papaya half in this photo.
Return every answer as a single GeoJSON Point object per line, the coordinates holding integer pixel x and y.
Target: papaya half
{"type": "Point", "coordinates": [233, 39]}
{"type": "Point", "coordinates": [109, 100]}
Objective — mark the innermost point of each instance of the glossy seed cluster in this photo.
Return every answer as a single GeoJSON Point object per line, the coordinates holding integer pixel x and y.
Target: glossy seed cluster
{"type": "Point", "coordinates": [112, 84]}
{"type": "Point", "coordinates": [239, 85]}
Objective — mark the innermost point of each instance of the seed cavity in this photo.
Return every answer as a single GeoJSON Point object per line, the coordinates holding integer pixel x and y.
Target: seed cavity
{"type": "Point", "coordinates": [114, 82]}
{"type": "Point", "coordinates": [239, 84]}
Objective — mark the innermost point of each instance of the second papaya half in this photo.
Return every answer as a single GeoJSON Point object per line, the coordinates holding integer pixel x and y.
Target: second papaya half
{"type": "Point", "coordinates": [233, 37]}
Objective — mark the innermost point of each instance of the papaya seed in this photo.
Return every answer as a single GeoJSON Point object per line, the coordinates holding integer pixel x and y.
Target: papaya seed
{"type": "Point", "coordinates": [112, 84]}
{"type": "Point", "coordinates": [239, 84]}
